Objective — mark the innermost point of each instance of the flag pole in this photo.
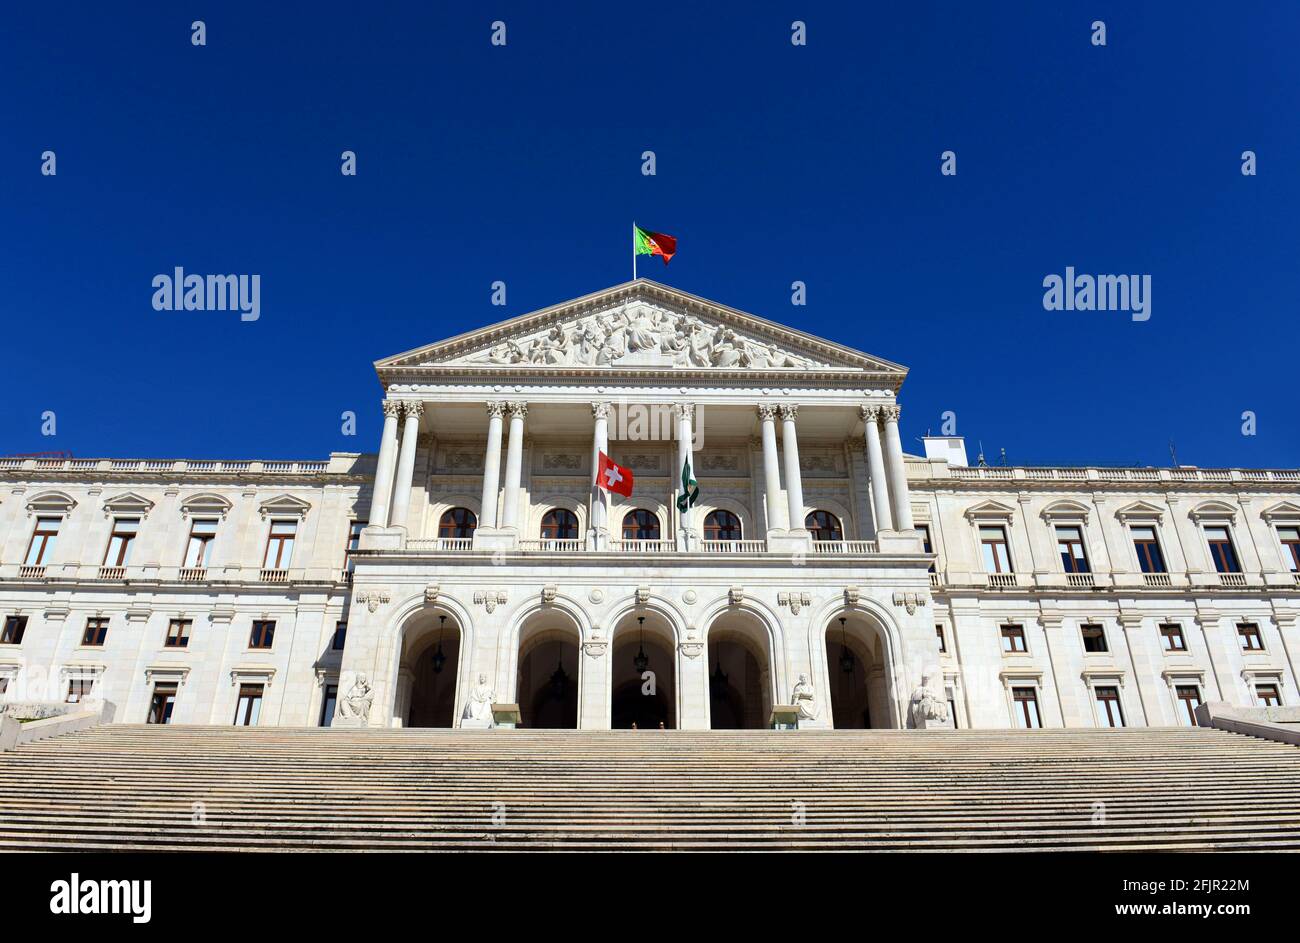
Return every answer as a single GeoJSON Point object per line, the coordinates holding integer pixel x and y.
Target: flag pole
{"type": "Point", "coordinates": [634, 250]}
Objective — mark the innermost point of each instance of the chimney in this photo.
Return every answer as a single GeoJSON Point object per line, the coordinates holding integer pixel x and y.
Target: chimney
{"type": "Point", "coordinates": [946, 448]}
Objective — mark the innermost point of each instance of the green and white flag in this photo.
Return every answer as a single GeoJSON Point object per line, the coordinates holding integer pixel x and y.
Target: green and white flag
{"type": "Point", "coordinates": [690, 488]}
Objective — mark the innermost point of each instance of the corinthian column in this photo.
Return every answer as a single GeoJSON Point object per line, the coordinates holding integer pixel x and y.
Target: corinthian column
{"type": "Point", "coordinates": [897, 470]}
{"type": "Point", "coordinates": [771, 469]}
{"type": "Point", "coordinates": [491, 466]}
{"type": "Point", "coordinates": [876, 468]}
{"type": "Point", "coordinates": [793, 476]}
{"type": "Point", "coordinates": [514, 464]}
{"type": "Point", "coordinates": [599, 443]}
{"type": "Point", "coordinates": [384, 470]}
{"type": "Point", "coordinates": [406, 463]}
{"type": "Point", "coordinates": [685, 417]}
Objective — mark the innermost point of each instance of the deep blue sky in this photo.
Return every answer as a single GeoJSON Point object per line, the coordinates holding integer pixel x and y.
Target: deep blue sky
{"type": "Point", "coordinates": [775, 163]}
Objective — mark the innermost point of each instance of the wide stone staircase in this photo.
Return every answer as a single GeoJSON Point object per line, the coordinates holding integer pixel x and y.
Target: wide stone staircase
{"type": "Point", "coordinates": [285, 789]}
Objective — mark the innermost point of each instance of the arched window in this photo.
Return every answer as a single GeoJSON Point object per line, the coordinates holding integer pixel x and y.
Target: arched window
{"type": "Point", "coordinates": [560, 524]}
{"type": "Point", "coordinates": [823, 525]}
{"type": "Point", "coordinates": [722, 525]}
{"type": "Point", "coordinates": [640, 525]}
{"type": "Point", "coordinates": [458, 522]}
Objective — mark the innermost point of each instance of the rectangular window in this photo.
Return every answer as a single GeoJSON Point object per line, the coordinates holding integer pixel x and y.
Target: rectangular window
{"type": "Point", "coordinates": [1013, 638]}
{"type": "Point", "coordinates": [12, 634]}
{"type": "Point", "coordinates": [1026, 701]}
{"type": "Point", "coordinates": [1069, 541]}
{"type": "Point", "coordinates": [997, 557]}
{"type": "Point", "coordinates": [925, 538]}
{"type": "Point", "coordinates": [1150, 559]}
{"type": "Point", "coordinates": [4, 685]}
{"type": "Point", "coordinates": [42, 544]}
{"type": "Point", "coordinates": [943, 644]}
{"type": "Point", "coordinates": [1171, 637]}
{"type": "Point", "coordinates": [340, 636]}
{"type": "Point", "coordinates": [249, 708]}
{"type": "Point", "coordinates": [279, 545]}
{"type": "Point", "coordinates": [79, 690]}
{"type": "Point", "coordinates": [178, 633]}
{"type": "Point", "coordinates": [121, 541]}
{"type": "Point", "coordinates": [1094, 638]}
{"type": "Point", "coordinates": [96, 632]}
{"type": "Point", "coordinates": [263, 634]}
{"type": "Point", "coordinates": [1248, 635]}
{"type": "Point", "coordinates": [202, 533]}
{"type": "Point", "coordinates": [1267, 695]}
{"type": "Point", "coordinates": [1222, 551]}
{"type": "Point", "coordinates": [354, 535]}
{"type": "Point", "coordinates": [952, 709]}
{"type": "Point", "coordinates": [329, 704]}
{"type": "Point", "coordinates": [1109, 711]}
{"type": "Point", "coordinates": [161, 704]}
{"type": "Point", "coordinates": [1189, 697]}
{"type": "Point", "coordinates": [1290, 537]}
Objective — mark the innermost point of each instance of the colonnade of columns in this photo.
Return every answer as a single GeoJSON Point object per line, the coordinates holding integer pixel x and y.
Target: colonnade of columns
{"type": "Point", "coordinates": [884, 454]}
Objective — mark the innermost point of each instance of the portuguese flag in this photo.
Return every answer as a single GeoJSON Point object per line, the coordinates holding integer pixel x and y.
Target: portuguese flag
{"type": "Point", "coordinates": [654, 243]}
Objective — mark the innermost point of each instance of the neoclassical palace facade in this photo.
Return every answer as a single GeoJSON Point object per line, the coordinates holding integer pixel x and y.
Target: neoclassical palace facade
{"type": "Point", "coordinates": [472, 572]}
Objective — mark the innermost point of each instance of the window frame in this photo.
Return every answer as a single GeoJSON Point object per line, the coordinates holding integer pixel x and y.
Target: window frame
{"type": "Point", "coordinates": [1232, 559]}
{"type": "Point", "coordinates": [1188, 711]}
{"type": "Point", "coordinates": [557, 520]}
{"type": "Point", "coordinates": [13, 630]}
{"type": "Point", "coordinates": [1078, 563]}
{"type": "Point", "coordinates": [340, 636]}
{"type": "Point", "coordinates": [463, 525]}
{"type": "Point", "coordinates": [1160, 564]}
{"type": "Point", "coordinates": [204, 541]}
{"type": "Point", "coordinates": [714, 530]}
{"type": "Point", "coordinates": [283, 561]}
{"type": "Point", "coordinates": [1019, 633]}
{"type": "Point", "coordinates": [1250, 637]}
{"type": "Point", "coordinates": [171, 690]}
{"type": "Point", "coordinates": [249, 704]}
{"type": "Point", "coordinates": [180, 638]}
{"type": "Point", "coordinates": [1290, 546]}
{"type": "Point", "coordinates": [47, 538]}
{"type": "Point", "coordinates": [643, 516]}
{"type": "Point", "coordinates": [261, 636]}
{"type": "Point", "coordinates": [127, 540]}
{"type": "Point", "coordinates": [1003, 541]}
{"type": "Point", "coordinates": [100, 625]}
{"type": "Point", "coordinates": [1276, 695]}
{"type": "Point", "coordinates": [1177, 632]}
{"type": "Point", "coordinates": [1102, 703]}
{"type": "Point", "coordinates": [828, 523]}
{"type": "Point", "coordinates": [1020, 707]}
{"type": "Point", "coordinates": [1085, 633]}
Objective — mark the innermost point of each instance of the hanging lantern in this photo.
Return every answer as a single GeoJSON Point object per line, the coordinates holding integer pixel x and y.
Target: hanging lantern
{"type": "Point", "coordinates": [439, 659]}
{"type": "Point", "coordinates": [641, 661]}
{"type": "Point", "coordinates": [846, 654]}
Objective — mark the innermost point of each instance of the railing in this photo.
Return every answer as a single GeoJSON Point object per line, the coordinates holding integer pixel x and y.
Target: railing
{"type": "Point", "coordinates": [1157, 579]}
{"type": "Point", "coordinates": [935, 582]}
{"type": "Point", "coordinates": [112, 572]}
{"type": "Point", "coordinates": [644, 546]}
{"type": "Point", "coordinates": [166, 465]}
{"type": "Point", "coordinates": [31, 572]}
{"type": "Point", "coordinates": [733, 546]}
{"type": "Point", "coordinates": [553, 544]}
{"type": "Point", "coordinates": [274, 576]}
{"type": "Point", "coordinates": [193, 574]}
{"type": "Point", "coordinates": [1080, 580]}
{"type": "Point", "coordinates": [1237, 580]}
{"type": "Point", "coordinates": [844, 546]}
{"type": "Point", "coordinates": [441, 543]}
{"type": "Point", "coordinates": [1002, 580]}
{"type": "Point", "coordinates": [1093, 473]}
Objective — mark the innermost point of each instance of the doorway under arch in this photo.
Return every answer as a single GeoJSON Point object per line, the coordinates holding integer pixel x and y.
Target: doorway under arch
{"type": "Point", "coordinates": [547, 683]}
{"type": "Point", "coordinates": [740, 675]}
{"type": "Point", "coordinates": [429, 671]}
{"type": "Point", "coordinates": [858, 672]}
{"type": "Point", "coordinates": [643, 676]}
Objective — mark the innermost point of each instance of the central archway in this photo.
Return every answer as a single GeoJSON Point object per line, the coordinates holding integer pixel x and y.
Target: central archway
{"type": "Point", "coordinates": [428, 671]}
{"type": "Point", "coordinates": [859, 673]}
{"type": "Point", "coordinates": [547, 682]}
{"type": "Point", "coordinates": [740, 673]}
{"type": "Point", "coordinates": [643, 676]}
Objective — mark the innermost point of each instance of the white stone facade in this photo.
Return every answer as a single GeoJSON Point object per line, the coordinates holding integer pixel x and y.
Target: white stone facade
{"type": "Point", "coordinates": [544, 592]}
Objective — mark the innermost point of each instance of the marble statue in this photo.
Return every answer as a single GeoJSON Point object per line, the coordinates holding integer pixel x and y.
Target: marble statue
{"type": "Point", "coordinates": [928, 706]}
{"type": "Point", "coordinates": [356, 705]}
{"type": "Point", "coordinates": [481, 699]}
{"type": "Point", "coordinates": [804, 699]}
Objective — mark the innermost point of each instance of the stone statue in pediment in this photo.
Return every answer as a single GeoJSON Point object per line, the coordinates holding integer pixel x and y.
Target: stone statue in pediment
{"type": "Point", "coordinates": [726, 349]}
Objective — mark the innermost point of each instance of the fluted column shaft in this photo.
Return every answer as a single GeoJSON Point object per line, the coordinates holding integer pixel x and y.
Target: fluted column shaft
{"type": "Point", "coordinates": [897, 471]}
{"type": "Point", "coordinates": [876, 469]}
{"type": "Point", "coordinates": [685, 416]}
{"type": "Point", "coordinates": [491, 467]}
{"type": "Point", "coordinates": [406, 463]}
{"type": "Point", "coordinates": [772, 469]}
{"type": "Point", "coordinates": [599, 443]}
{"type": "Point", "coordinates": [793, 475]}
{"type": "Point", "coordinates": [379, 501]}
{"type": "Point", "coordinates": [514, 464]}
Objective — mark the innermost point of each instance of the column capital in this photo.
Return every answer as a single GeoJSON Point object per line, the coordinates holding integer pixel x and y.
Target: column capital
{"type": "Point", "coordinates": [891, 412]}
{"type": "Point", "coordinates": [519, 409]}
{"type": "Point", "coordinates": [600, 410]}
{"type": "Point", "coordinates": [684, 411]}
{"type": "Point", "coordinates": [767, 412]}
{"type": "Point", "coordinates": [496, 408]}
{"type": "Point", "coordinates": [869, 412]}
{"type": "Point", "coordinates": [413, 408]}
{"type": "Point", "coordinates": [789, 411]}
{"type": "Point", "coordinates": [392, 408]}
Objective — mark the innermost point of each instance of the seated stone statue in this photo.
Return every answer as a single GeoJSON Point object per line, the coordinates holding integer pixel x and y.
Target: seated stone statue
{"type": "Point", "coordinates": [480, 702]}
{"type": "Point", "coordinates": [356, 705]}
{"type": "Point", "coordinates": [928, 706]}
{"type": "Point", "coordinates": [804, 699]}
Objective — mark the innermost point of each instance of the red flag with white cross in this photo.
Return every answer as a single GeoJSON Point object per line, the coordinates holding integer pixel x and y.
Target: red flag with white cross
{"type": "Point", "coordinates": [614, 477]}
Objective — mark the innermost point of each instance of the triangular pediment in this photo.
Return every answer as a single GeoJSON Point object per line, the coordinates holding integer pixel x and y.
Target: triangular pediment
{"type": "Point", "coordinates": [991, 511]}
{"type": "Point", "coordinates": [1140, 511]}
{"type": "Point", "coordinates": [1286, 512]}
{"type": "Point", "coordinates": [641, 325]}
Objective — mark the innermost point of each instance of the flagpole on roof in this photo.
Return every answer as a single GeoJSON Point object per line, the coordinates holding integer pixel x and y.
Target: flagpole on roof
{"type": "Point", "coordinates": [634, 250]}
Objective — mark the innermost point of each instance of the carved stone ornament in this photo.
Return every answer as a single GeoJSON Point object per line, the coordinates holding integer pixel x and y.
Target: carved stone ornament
{"type": "Point", "coordinates": [690, 596]}
{"type": "Point", "coordinates": [595, 648]}
{"type": "Point", "coordinates": [736, 595]}
{"type": "Point", "coordinates": [596, 595]}
{"type": "Point", "coordinates": [490, 599]}
{"type": "Point", "coordinates": [373, 599]}
{"type": "Point", "coordinates": [431, 594]}
{"type": "Point", "coordinates": [910, 601]}
{"type": "Point", "coordinates": [642, 595]}
{"type": "Point", "coordinates": [356, 704]}
{"type": "Point", "coordinates": [851, 595]}
{"type": "Point", "coordinates": [795, 601]}
{"type": "Point", "coordinates": [548, 594]}
{"type": "Point", "coordinates": [691, 649]}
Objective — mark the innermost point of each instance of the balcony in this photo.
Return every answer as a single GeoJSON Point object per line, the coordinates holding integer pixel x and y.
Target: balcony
{"type": "Point", "coordinates": [844, 546]}
{"type": "Point", "coordinates": [31, 572]}
{"type": "Point", "coordinates": [578, 545]}
{"type": "Point", "coordinates": [1157, 580]}
{"type": "Point", "coordinates": [643, 546]}
{"type": "Point", "coordinates": [274, 576]}
{"type": "Point", "coordinates": [552, 545]}
{"type": "Point", "coordinates": [1002, 580]}
{"type": "Point", "coordinates": [1080, 580]}
{"type": "Point", "coordinates": [1234, 580]}
{"type": "Point", "coordinates": [193, 574]}
{"type": "Point", "coordinates": [113, 573]}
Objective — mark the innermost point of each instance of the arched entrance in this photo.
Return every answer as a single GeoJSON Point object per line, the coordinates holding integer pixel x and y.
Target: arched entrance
{"type": "Point", "coordinates": [858, 671]}
{"type": "Point", "coordinates": [740, 677]}
{"type": "Point", "coordinates": [547, 685]}
{"type": "Point", "coordinates": [643, 682]}
{"type": "Point", "coordinates": [428, 671]}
